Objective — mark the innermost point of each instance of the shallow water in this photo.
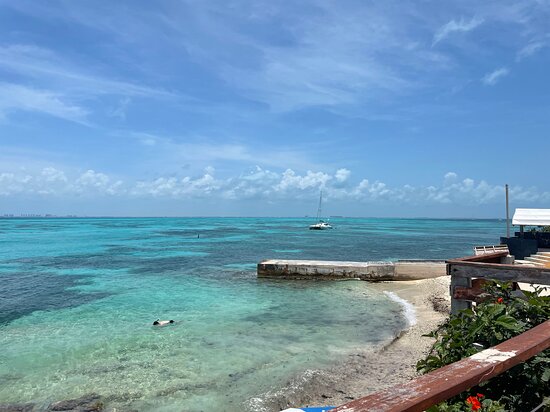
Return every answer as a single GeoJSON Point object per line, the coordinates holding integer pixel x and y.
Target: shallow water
{"type": "Point", "coordinates": [78, 296]}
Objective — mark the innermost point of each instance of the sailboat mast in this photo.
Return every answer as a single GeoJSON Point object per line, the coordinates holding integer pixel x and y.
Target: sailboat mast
{"type": "Point", "coordinates": [320, 202]}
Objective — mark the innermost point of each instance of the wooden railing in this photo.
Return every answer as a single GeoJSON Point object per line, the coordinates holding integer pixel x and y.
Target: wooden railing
{"type": "Point", "coordinates": [488, 266]}
{"type": "Point", "coordinates": [444, 383]}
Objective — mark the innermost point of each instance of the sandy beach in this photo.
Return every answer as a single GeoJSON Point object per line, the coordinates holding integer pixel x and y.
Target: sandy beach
{"type": "Point", "coordinates": [366, 372]}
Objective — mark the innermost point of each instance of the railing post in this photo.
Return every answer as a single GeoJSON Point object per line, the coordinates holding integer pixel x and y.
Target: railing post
{"type": "Point", "coordinates": [458, 304]}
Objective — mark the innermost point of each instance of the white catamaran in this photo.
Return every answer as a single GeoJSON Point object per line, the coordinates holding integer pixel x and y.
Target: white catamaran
{"type": "Point", "coordinates": [321, 224]}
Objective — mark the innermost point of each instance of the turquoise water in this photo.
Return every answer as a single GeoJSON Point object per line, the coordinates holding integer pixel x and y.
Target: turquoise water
{"type": "Point", "coordinates": [78, 296]}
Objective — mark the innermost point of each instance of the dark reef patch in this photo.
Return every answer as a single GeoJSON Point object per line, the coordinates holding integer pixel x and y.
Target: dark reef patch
{"type": "Point", "coordinates": [91, 261]}
{"type": "Point", "coordinates": [24, 293]}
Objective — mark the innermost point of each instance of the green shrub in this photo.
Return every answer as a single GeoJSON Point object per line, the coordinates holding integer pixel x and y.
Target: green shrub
{"type": "Point", "coordinates": [500, 318]}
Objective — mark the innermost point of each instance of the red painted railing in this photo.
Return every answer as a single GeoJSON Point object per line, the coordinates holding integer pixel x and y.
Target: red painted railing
{"type": "Point", "coordinates": [439, 385]}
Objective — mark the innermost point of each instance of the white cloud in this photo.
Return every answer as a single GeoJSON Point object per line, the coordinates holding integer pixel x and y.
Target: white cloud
{"type": "Point", "coordinates": [58, 87]}
{"type": "Point", "coordinates": [158, 187]}
{"type": "Point", "coordinates": [466, 191]}
{"type": "Point", "coordinates": [46, 66]}
{"type": "Point", "coordinates": [342, 175]}
{"type": "Point", "coordinates": [490, 79]}
{"type": "Point", "coordinates": [202, 151]}
{"type": "Point", "coordinates": [259, 174]}
{"type": "Point", "coordinates": [450, 177]}
{"type": "Point", "coordinates": [15, 97]}
{"type": "Point", "coordinates": [263, 185]}
{"type": "Point", "coordinates": [92, 182]}
{"type": "Point", "coordinates": [120, 110]}
{"type": "Point", "coordinates": [290, 181]}
{"type": "Point", "coordinates": [456, 26]}
{"type": "Point", "coordinates": [531, 48]}
{"type": "Point", "coordinates": [203, 186]}
{"type": "Point", "coordinates": [266, 51]}
{"type": "Point", "coordinates": [11, 184]}
{"type": "Point", "coordinates": [92, 179]}
{"type": "Point", "coordinates": [54, 182]}
{"type": "Point", "coordinates": [51, 174]}
{"type": "Point", "coordinates": [148, 141]}
{"type": "Point", "coordinates": [336, 56]}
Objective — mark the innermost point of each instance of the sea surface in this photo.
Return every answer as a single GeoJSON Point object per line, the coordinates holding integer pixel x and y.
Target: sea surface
{"type": "Point", "coordinates": [78, 297]}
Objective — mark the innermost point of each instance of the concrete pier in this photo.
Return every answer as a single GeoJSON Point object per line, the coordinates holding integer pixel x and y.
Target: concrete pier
{"type": "Point", "coordinates": [373, 271]}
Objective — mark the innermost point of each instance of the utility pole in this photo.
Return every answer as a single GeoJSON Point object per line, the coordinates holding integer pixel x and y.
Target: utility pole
{"type": "Point", "coordinates": [507, 214]}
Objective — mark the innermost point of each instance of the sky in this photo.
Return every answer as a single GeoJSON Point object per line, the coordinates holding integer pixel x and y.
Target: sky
{"type": "Point", "coordinates": [252, 108]}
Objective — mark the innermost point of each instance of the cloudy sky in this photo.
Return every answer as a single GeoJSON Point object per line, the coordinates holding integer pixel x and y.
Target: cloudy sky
{"type": "Point", "coordinates": [247, 108]}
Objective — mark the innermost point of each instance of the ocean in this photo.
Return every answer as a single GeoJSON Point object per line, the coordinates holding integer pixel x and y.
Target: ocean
{"type": "Point", "coordinates": [78, 297]}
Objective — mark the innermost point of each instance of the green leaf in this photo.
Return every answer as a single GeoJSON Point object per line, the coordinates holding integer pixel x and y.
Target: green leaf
{"type": "Point", "coordinates": [468, 312]}
{"type": "Point", "coordinates": [508, 322]}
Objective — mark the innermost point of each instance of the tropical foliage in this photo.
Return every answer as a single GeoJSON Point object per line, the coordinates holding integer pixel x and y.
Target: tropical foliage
{"type": "Point", "coordinates": [504, 315]}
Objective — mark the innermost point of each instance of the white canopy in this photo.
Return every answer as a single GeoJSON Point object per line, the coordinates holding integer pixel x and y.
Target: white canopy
{"type": "Point", "coordinates": [531, 217]}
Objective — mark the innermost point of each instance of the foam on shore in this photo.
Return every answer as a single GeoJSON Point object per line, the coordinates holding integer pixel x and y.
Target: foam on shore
{"type": "Point", "coordinates": [409, 311]}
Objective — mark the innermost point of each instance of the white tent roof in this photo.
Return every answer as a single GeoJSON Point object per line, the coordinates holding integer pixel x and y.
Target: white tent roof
{"type": "Point", "coordinates": [532, 217]}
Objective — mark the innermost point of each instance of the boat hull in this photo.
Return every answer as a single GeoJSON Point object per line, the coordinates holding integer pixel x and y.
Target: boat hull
{"type": "Point", "coordinates": [320, 226]}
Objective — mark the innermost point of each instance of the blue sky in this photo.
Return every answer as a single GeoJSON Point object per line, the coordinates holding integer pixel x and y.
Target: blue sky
{"type": "Point", "coordinates": [245, 108]}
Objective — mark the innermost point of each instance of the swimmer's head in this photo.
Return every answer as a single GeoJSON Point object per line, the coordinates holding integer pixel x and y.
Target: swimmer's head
{"type": "Point", "coordinates": [171, 321]}
{"type": "Point", "coordinates": [156, 322]}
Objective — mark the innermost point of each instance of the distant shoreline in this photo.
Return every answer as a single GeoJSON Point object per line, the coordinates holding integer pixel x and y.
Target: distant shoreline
{"type": "Point", "coordinates": [8, 216]}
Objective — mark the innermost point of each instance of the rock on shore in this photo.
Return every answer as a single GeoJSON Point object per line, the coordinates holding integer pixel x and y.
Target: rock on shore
{"type": "Point", "coordinates": [87, 403]}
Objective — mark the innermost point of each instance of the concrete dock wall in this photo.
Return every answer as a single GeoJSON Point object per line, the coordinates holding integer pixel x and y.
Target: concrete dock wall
{"type": "Point", "coordinates": [373, 271]}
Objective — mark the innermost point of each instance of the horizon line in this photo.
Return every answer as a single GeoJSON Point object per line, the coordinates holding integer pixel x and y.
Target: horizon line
{"type": "Point", "coordinates": [70, 216]}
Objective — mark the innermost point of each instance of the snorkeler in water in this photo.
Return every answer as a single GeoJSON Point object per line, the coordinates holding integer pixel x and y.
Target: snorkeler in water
{"type": "Point", "coordinates": [159, 322]}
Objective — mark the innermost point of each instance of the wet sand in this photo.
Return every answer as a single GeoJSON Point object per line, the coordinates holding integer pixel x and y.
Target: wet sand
{"type": "Point", "coordinates": [366, 372]}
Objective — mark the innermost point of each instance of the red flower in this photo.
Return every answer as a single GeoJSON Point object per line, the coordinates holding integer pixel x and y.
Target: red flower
{"type": "Point", "coordinates": [480, 395]}
{"type": "Point", "coordinates": [500, 300]}
{"type": "Point", "coordinates": [472, 400]}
